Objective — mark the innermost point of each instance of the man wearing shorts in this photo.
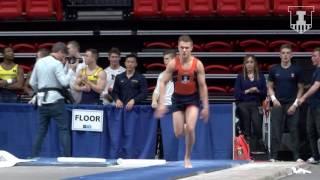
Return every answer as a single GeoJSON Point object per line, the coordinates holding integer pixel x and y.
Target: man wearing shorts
{"type": "Point", "coordinates": [187, 73]}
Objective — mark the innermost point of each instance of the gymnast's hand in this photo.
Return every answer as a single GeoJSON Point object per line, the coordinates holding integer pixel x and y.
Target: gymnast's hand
{"type": "Point", "coordinates": [204, 114]}
{"type": "Point", "coordinates": [85, 88]}
{"type": "Point", "coordinates": [160, 111]}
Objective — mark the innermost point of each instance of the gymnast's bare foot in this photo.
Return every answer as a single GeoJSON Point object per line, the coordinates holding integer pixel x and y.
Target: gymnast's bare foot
{"type": "Point", "coordinates": [187, 163]}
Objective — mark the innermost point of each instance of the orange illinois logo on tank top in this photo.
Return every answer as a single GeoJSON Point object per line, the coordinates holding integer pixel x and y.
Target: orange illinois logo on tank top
{"type": "Point", "coordinates": [185, 80]}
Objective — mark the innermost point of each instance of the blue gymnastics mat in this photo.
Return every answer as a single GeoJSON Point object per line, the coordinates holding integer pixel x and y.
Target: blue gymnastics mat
{"type": "Point", "coordinates": [54, 162]}
{"type": "Point", "coordinates": [170, 170]}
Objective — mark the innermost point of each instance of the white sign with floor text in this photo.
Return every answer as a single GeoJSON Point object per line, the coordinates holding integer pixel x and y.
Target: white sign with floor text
{"type": "Point", "coordinates": [87, 120]}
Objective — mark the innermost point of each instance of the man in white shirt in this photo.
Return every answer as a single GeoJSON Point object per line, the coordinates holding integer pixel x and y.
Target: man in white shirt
{"type": "Point", "coordinates": [112, 71]}
{"type": "Point", "coordinates": [48, 79]}
{"type": "Point", "coordinates": [74, 56]}
{"type": "Point", "coordinates": [167, 57]}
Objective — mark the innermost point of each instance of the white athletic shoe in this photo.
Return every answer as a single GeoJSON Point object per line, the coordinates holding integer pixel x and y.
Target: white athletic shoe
{"type": "Point", "coordinates": [312, 161]}
{"type": "Point", "coordinates": [272, 160]}
{"type": "Point", "coordinates": [299, 160]}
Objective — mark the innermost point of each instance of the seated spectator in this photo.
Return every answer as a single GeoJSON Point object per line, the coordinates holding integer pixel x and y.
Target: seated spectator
{"type": "Point", "coordinates": [250, 91]}
{"type": "Point", "coordinates": [167, 57]}
{"type": "Point", "coordinates": [130, 87]}
{"type": "Point", "coordinates": [112, 71]}
{"type": "Point", "coordinates": [74, 57]}
{"type": "Point", "coordinates": [90, 80]}
{"type": "Point", "coordinates": [40, 54]}
{"type": "Point", "coordinates": [11, 77]}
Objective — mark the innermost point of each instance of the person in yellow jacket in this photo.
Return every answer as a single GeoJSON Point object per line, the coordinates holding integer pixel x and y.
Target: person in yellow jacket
{"type": "Point", "coordinates": [11, 77]}
{"type": "Point", "coordinates": [91, 80]}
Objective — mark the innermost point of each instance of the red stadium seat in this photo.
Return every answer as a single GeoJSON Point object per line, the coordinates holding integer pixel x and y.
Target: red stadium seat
{"type": "Point", "coordinates": [237, 68]}
{"type": "Point", "coordinates": [158, 45]}
{"type": "Point", "coordinates": [218, 46]}
{"type": "Point", "coordinates": [46, 46]}
{"type": "Point", "coordinates": [10, 9]}
{"type": "Point", "coordinates": [275, 45]}
{"type": "Point", "coordinates": [2, 46]}
{"type": "Point", "coordinates": [257, 7]}
{"type": "Point", "coordinates": [39, 8]}
{"type": "Point", "coordinates": [197, 47]}
{"type": "Point", "coordinates": [44, 9]}
{"type": "Point", "coordinates": [270, 66]}
{"type": "Point", "coordinates": [280, 7]}
{"type": "Point", "coordinates": [229, 7]}
{"type": "Point", "coordinates": [151, 89]}
{"type": "Point", "coordinates": [58, 8]}
{"type": "Point", "coordinates": [216, 69]}
{"type": "Point", "coordinates": [23, 47]}
{"type": "Point", "coordinates": [200, 7]}
{"type": "Point", "coordinates": [174, 7]}
{"type": "Point", "coordinates": [315, 3]}
{"type": "Point", "coordinates": [263, 67]}
{"type": "Point", "coordinates": [25, 68]}
{"type": "Point", "coordinates": [146, 8]}
{"type": "Point", "coordinates": [217, 89]}
{"type": "Point", "coordinates": [155, 67]}
{"type": "Point", "coordinates": [310, 45]}
{"type": "Point", "coordinates": [231, 90]}
{"type": "Point", "coordinates": [253, 45]}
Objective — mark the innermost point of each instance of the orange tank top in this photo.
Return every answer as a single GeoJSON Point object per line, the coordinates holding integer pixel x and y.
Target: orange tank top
{"type": "Point", "coordinates": [185, 80]}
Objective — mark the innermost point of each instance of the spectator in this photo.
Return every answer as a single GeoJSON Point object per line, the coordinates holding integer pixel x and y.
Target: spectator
{"type": "Point", "coordinates": [130, 87]}
{"type": "Point", "coordinates": [74, 56]}
{"type": "Point", "coordinates": [250, 91]}
{"type": "Point", "coordinates": [112, 71]}
{"type": "Point", "coordinates": [167, 57]}
{"type": "Point", "coordinates": [90, 80]}
{"type": "Point", "coordinates": [48, 79]}
{"type": "Point", "coordinates": [40, 54]}
{"type": "Point", "coordinates": [11, 77]}
{"type": "Point", "coordinates": [313, 120]}
{"type": "Point", "coordinates": [285, 86]}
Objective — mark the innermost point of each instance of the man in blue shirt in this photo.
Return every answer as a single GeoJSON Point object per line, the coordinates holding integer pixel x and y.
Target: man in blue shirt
{"type": "Point", "coordinates": [130, 87]}
{"type": "Point", "coordinates": [313, 121]}
{"type": "Point", "coordinates": [285, 86]}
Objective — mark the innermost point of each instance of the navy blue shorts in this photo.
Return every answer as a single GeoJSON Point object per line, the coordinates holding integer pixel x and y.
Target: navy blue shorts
{"type": "Point", "coordinates": [181, 102]}
{"type": "Point", "coordinates": [90, 97]}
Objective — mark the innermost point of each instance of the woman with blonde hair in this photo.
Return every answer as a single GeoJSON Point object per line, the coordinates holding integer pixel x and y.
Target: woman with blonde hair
{"type": "Point", "coordinates": [250, 91]}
